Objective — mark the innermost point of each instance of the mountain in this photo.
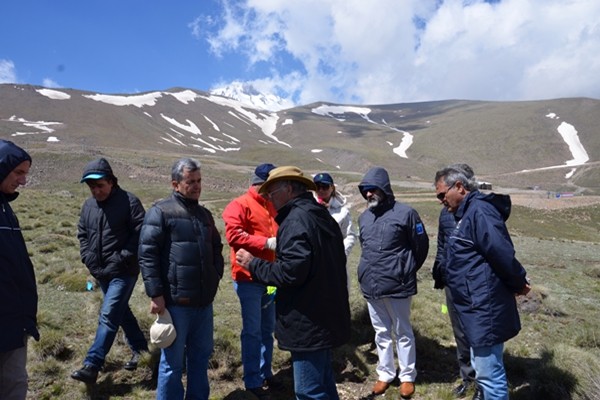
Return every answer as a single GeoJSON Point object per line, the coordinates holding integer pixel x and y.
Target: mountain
{"type": "Point", "coordinates": [551, 144]}
{"type": "Point", "coordinates": [248, 95]}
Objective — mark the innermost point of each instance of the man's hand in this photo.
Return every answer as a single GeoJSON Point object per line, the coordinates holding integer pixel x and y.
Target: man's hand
{"type": "Point", "coordinates": [526, 289]}
{"type": "Point", "coordinates": [157, 305]}
{"type": "Point", "coordinates": [243, 258]}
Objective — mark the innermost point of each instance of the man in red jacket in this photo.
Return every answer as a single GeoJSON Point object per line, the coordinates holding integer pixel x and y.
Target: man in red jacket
{"type": "Point", "coordinates": [250, 225]}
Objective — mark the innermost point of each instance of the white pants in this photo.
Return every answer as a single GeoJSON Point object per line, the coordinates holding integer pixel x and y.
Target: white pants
{"type": "Point", "coordinates": [391, 320]}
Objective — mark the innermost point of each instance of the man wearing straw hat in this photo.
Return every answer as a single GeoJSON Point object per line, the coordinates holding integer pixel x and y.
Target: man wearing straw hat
{"type": "Point", "coordinates": [312, 310]}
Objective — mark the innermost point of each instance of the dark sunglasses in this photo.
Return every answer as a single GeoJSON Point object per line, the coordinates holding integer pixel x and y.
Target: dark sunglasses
{"type": "Point", "coordinates": [321, 186]}
{"type": "Point", "coordinates": [442, 195]}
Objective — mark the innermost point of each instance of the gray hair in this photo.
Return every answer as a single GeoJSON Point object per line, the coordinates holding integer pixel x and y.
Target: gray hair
{"type": "Point", "coordinates": [190, 164]}
{"type": "Point", "coordinates": [462, 173]}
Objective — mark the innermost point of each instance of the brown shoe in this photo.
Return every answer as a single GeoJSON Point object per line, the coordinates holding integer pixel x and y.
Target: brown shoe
{"type": "Point", "coordinates": [407, 389]}
{"type": "Point", "coordinates": [380, 387]}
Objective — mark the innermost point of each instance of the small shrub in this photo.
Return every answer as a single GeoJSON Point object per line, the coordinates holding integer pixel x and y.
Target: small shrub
{"type": "Point", "coordinates": [71, 281]}
{"type": "Point", "coordinates": [587, 338]}
{"type": "Point", "coordinates": [52, 344]}
{"type": "Point", "coordinates": [49, 248]}
{"type": "Point", "coordinates": [593, 272]}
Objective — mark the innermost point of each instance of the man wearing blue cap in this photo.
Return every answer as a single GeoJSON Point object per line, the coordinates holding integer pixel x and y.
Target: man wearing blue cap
{"type": "Point", "coordinates": [108, 233]}
{"type": "Point", "coordinates": [18, 291]}
{"type": "Point", "coordinates": [250, 225]}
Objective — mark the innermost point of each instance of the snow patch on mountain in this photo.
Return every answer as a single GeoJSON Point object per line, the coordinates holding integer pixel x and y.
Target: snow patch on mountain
{"type": "Point", "coordinates": [54, 94]}
{"type": "Point", "coordinates": [248, 95]}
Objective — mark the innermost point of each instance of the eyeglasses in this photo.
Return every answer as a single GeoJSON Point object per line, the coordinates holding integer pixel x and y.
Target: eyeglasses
{"type": "Point", "coordinates": [442, 195]}
{"type": "Point", "coordinates": [322, 187]}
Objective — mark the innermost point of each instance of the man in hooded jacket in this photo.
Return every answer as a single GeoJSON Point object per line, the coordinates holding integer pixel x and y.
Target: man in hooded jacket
{"type": "Point", "coordinates": [483, 274]}
{"type": "Point", "coordinates": [108, 232]}
{"type": "Point", "coordinates": [394, 247]}
{"type": "Point", "coordinates": [312, 309]}
{"type": "Point", "coordinates": [18, 291]}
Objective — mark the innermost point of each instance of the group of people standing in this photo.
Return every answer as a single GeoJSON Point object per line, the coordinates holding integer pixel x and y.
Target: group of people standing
{"type": "Point", "coordinates": [290, 236]}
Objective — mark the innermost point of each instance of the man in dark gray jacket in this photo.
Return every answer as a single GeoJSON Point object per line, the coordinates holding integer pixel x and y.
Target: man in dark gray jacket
{"type": "Point", "coordinates": [108, 233]}
{"type": "Point", "coordinates": [309, 271]}
{"type": "Point", "coordinates": [18, 291]}
{"type": "Point", "coordinates": [394, 246]}
{"type": "Point", "coordinates": [182, 263]}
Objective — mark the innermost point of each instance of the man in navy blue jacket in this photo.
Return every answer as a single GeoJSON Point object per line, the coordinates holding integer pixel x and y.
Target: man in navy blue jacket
{"type": "Point", "coordinates": [483, 274]}
{"type": "Point", "coordinates": [394, 246]}
{"type": "Point", "coordinates": [446, 226]}
{"type": "Point", "coordinates": [18, 292]}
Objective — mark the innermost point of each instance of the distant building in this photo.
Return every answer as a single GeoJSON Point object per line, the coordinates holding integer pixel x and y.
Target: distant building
{"type": "Point", "coordinates": [484, 185]}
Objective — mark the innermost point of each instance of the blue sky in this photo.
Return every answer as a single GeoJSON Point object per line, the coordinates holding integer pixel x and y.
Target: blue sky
{"type": "Point", "coordinates": [343, 51]}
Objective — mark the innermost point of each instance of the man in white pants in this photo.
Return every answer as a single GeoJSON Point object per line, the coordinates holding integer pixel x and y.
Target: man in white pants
{"type": "Point", "coordinates": [394, 246]}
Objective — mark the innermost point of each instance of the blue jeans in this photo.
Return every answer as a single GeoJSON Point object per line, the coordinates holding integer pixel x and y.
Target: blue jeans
{"type": "Point", "coordinates": [313, 375]}
{"type": "Point", "coordinates": [489, 370]}
{"type": "Point", "coordinates": [115, 312]}
{"type": "Point", "coordinates": [258, 323]}
{"type": "Point", "coordinates": [194, 328]}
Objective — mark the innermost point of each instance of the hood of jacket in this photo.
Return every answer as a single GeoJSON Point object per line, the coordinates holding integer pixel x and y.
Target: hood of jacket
{"type": "Point", "coordinates": [379, 178]}
{"type": "Point", "coordinates": [99, 167]}
{"type": "Point", "coordinates": [11, 156]}
{"type": "Point", "coordinates": [501, 202]}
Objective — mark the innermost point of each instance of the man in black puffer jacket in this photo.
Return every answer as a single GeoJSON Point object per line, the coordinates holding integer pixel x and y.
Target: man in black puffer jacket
{"type": "Point", "coordinates": [18, 292]}
{"type": "Point", "coordinates": [108, 233]}
{"type": "Point", "coordinates": [181, 258]}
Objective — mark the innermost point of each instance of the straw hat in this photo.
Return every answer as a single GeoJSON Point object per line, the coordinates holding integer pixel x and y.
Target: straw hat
{"type": "Point", "coordinates": [286, 173]}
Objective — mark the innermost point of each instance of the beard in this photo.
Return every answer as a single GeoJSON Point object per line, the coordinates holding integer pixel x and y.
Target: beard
{"type": "Point", "coordinates": [374, 201]}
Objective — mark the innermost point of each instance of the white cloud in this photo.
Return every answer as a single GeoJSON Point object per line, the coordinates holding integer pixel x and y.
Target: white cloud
{"type": "Point", "coordinates": [383, 51]}
{"type": "Point", "coordinates": [8, 74]}
{"type": "Point", "coordinates": [49, 83]}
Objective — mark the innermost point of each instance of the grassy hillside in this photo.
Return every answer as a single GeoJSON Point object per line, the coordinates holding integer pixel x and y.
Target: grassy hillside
{"type": "Point", "coordinates": [556, 356]}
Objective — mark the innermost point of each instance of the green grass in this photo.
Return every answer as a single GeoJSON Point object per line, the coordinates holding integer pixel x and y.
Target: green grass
{"type": "Point", "coordinates": [556, 355]}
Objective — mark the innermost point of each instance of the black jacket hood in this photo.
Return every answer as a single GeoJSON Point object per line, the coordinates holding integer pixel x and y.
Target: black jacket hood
{"type": "Point", "coordinates": [379, 178]}
{"type": "Point", "coordinates": [98, 169]}
{"type": "Point", "coordinates": [501, 202]}
{"type": "Point", "coordinates": [11, 156]}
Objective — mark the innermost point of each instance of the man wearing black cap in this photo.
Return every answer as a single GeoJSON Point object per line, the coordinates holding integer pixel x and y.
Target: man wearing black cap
{"type": "Point", "coordinates": [250, 225]}
{"type": "Point", "coordinates": [18, 292]}
{"type": "Point", "coordinates": [108, 233]}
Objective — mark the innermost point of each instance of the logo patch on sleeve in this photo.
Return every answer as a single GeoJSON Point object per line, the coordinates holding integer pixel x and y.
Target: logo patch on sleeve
{"type": "Point", "coordinates": [419, 228]}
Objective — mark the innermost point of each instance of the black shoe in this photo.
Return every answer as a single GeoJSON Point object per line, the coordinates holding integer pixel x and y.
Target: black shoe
{"type": "Point", "coordinates": [132, 364]}
{"type": "Point", "coordinates": [461, 390]}
{"type": "Point", "coordinates": [272, 383]}
{"type": "Point", "coordinates": [87, 374]}
{"type": "Point", "coordinates": [478, 393]}
{"type": "Point", "coordinates": [260, 393]}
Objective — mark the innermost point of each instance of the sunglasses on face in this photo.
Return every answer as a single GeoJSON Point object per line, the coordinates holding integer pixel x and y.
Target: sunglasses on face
{"type": "Point", "coordinates": [442, 195]}
{"type": "Point", "coordinates": [321, 186]}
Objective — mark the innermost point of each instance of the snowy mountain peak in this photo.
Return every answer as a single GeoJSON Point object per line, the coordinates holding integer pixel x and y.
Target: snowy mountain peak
{"type": "Point", "coordinates": [247, 94]}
